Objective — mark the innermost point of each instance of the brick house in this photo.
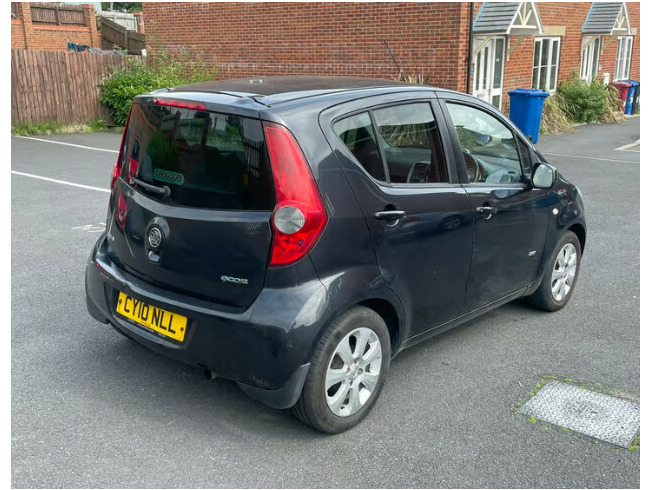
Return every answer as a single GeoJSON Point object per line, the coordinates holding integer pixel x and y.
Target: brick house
{"type": "Point", "coordinates": [510, 44]}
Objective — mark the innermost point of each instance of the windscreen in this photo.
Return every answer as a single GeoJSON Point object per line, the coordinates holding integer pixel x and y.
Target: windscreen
{"type": "Point", "coordinates": [197, 158]}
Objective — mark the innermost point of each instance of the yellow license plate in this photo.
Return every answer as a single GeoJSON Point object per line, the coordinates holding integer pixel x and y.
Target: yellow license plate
{"type": "Point", "coordinates": [162, 321]}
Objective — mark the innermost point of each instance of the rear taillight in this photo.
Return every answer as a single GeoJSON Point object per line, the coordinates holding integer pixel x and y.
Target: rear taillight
{"type": "Point", "coordinates": [183, 104]}
{"type": "Point", "coordinates": [299, 216]}
{"type": "Point", "coordinates": [117, 169]}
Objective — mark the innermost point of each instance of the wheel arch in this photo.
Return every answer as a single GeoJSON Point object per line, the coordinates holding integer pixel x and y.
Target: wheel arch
{"type": "Point", "coordinates": [389, 314]}
{"type": "Point", "coordinates": [581, 233]}
{"type": "Point", "coordinates": [351, 288]}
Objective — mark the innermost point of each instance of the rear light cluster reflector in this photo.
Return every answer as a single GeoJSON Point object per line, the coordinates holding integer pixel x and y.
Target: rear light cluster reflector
{"type": "Point", "coordinates": [289, 220]}
{"type": "Point", "coordinates": [299, 217]}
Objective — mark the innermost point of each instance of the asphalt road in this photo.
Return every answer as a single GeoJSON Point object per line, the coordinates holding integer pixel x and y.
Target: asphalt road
{"type": "Point", "coordinates": [90, 408]}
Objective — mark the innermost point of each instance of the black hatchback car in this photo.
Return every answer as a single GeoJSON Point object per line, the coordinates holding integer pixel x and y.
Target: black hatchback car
{"type": "Point", "coordinates": [294, 234]}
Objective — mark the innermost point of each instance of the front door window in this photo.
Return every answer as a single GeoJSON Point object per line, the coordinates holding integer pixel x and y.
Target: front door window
{"type": "Point", "coordinates": [488, 70]}
{"type": "Point", "coordinates": [489, 148]}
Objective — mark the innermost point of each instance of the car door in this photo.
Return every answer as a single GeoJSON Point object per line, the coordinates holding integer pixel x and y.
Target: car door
{"type": "Point", "coordinates": [397, 161]}
{"type": "Point", "coordinates": [510, 216]}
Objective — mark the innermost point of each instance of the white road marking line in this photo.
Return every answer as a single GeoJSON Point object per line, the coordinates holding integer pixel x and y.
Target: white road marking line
{"type": "Point", "coordinates": [588, 158]}
{"type": "Point", "coordinates": [61, 181]}
{"type": "Point", "coordinates": [625, 147]}
{"type": "Point", "coordinates": [90, 228]}
{"type": "Point", "coordinates": [66, 144]}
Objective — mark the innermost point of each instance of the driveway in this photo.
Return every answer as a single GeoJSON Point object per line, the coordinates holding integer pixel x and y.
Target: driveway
{"type": "Point", "coordinates": [90, 408]}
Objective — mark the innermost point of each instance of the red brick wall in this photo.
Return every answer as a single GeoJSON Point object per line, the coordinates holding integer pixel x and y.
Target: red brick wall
{"type": "Point", "coordinates": [26, 35]}
{"type": "Point", "coordinates": [17, 34]}
{"type": "Point", "coordinates": [55, 38]}
{"type": "Point", "coordinates": [572, 16]}
{"type": "Point", "coordinates": [254, 39]}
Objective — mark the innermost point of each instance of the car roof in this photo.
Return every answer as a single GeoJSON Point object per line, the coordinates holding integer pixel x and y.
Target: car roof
{"type": "Point", "coordinates": [272, 91]}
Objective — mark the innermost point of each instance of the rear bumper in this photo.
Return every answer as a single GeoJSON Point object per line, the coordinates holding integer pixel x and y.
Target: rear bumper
{"type": "Point", "coordinates": [265, 348]}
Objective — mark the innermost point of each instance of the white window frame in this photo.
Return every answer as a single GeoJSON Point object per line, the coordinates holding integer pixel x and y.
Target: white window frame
{"type": "Point", "coordinates": [484, 69]}
{"type": "Point", "coordinates": [623, 57]}
{"type": "Point", "coordinates": [589, 64]}
{"type": "Point", "coordinates": [550, 85]}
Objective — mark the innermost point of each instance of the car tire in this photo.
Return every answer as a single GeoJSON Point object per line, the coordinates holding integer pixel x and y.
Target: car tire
{"type": "Point", "coordinates": [348, 367]}
{"type": "Point", "coordinates": [560, 277]}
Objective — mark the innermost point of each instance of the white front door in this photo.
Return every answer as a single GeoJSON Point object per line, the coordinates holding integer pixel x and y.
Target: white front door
{"type": "Point", "coordinates": [488, 69]}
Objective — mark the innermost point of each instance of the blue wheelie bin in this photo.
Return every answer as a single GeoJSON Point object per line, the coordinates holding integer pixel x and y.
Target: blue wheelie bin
{"type": "Point", "coordinates": [526, 110]}
{"type": "Point", "coordinates": [631, 96]}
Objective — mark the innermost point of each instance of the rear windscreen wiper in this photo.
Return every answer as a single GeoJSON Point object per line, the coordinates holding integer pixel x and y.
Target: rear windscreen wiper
{"type": "Point", "coordinates": [163, 191]}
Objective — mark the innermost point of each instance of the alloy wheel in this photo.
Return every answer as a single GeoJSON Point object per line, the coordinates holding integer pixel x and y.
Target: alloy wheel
{"type": "Point", "coordinates": [564, 272]}
{"type": "Point", "coordinates": [353, 372]}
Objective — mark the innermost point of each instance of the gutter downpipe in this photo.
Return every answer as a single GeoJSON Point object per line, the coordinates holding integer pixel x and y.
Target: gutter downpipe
{"type": "Point", "coordinates": [470, 48]}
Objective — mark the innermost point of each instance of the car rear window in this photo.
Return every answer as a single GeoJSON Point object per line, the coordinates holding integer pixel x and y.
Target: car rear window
{"type": "Point", "coordinates": [206, 159]}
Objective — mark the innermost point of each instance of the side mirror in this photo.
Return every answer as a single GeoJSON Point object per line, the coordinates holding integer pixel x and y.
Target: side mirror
{"type": "Point", "coordinates": [543, 176]}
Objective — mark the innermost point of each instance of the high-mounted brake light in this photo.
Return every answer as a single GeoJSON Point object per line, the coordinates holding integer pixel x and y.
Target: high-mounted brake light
{"type": "Point", "coordinates": [299, 216]}
{"type": "Point", "coordinates": [183, 104]}
{"type": "Point", "coordinates": [117, 169]}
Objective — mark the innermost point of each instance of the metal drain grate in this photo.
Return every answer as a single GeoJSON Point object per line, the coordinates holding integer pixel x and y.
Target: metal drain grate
{"type": "Point", "coordinates": [603, 417]}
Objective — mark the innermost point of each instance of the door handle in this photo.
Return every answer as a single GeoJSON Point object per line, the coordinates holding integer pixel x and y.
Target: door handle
{"type": "Point", "coordinates": [391, 215]}
{"type": "Point", "coordinates": [486, 211]}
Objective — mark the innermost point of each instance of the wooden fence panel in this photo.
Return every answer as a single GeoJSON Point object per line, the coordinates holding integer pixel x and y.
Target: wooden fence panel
{"type": "Point", "coordinates": [52, 86]}
{"type": "Point", "coordinates": [51, 13]}
{"type": "Point", "coordinates": [113, 34]}
{"type": "Point", "coordinates": [135, 42]}
{"type": "Point", "coordinates": [128, 21]}
{"type": "Point", "coordinates": [15, 11]}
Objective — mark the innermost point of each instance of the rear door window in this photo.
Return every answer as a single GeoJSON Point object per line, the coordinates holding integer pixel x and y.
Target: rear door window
{"type": "Point", "coordinates": [359, 136]}
{"type": "Point", "coordinates": [403, 146]}
{"type": "Point", "coordinates": [411, 144]}
{"type": "Point", "coordinates": [206, 159]}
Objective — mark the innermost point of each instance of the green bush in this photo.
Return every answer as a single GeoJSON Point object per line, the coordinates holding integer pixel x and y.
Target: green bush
{"type": "Point", "coordinates": [577, 101]}
{"type": "Point", "coordinates": [118, 89]}
{"type": "Point", "coordinates": [585, 102]}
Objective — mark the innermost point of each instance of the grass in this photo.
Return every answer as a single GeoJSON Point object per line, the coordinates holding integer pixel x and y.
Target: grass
{"type": "Point", "coordinates": [554, 116]}
{"type": "Point", "coordinates": [415, 78]}
{"type": "Point", "coordinates": [97, 125]}
{"type": "Point", "coordinates": [28, 129]}
{"type": "Point", "coordinates": [25, 129]}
